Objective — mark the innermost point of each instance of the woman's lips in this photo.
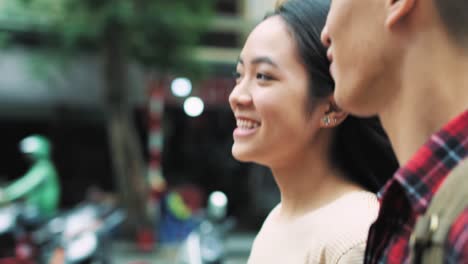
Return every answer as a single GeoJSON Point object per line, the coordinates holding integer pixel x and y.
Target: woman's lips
{"type": "Point", "coordinates": [244, 132]}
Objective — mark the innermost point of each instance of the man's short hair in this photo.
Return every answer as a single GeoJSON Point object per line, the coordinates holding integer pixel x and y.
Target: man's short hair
{"type": "Point", "coordinates": [454, 15]}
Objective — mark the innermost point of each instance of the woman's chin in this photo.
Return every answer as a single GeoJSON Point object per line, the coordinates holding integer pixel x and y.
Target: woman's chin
{"type": "Point", "coordinates": [241, 154]}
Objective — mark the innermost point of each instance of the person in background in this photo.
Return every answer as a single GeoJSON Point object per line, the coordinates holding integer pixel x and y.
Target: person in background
{"type": "Point", "coordinates": [39, 187]}
{"type": "Point", "coordinates": [326, 163]}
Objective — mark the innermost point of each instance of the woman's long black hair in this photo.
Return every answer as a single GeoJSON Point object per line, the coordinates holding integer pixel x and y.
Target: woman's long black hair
{"type": "Point", "coordinates": [360, 148]}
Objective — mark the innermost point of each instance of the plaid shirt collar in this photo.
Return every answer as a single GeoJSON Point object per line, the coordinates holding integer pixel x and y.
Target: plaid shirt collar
{"type": "Point", "coordinates": [422, 175]}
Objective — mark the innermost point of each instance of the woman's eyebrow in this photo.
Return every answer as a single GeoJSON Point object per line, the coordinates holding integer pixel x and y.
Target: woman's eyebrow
{"type": "Point", "coordinates": [260, 60]}
{"type": "Point", "coordinates": [264, 59]}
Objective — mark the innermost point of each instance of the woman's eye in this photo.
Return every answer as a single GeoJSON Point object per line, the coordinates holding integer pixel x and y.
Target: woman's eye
{"type": "Point", "coordinates": [264, 77]}
{"type": "Point", "coordinates": [236, 76]}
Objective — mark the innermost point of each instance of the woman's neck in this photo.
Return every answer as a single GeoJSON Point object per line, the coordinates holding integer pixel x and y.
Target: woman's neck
{"type": "Point", "coordinates": [309, 182]}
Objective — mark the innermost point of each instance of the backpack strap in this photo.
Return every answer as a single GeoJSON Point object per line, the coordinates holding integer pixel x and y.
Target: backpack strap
{"type": "Point", "coordinates": [431, 230]}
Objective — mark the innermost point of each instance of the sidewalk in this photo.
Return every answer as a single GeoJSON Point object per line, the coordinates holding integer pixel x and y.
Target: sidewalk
{"type": "Point", "coordinates": [237, 246]}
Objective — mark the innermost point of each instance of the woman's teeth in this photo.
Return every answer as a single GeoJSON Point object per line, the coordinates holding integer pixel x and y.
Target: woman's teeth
{"type": "Point", "coordinates": [246, 124]}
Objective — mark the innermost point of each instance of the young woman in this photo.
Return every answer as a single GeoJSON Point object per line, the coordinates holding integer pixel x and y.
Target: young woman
{"type": "Point", "coordinates": [326, 164]}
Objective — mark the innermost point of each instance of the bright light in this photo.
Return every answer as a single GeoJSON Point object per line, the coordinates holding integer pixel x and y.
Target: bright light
{"type": "Point", "coordinates": [193, 106]}
{"type": "Point", "coordinates": [218, 198]}
{"type": "Point", "coordinates": [217, 206]}
{"type": "Point", "coordinates": [181, 87]}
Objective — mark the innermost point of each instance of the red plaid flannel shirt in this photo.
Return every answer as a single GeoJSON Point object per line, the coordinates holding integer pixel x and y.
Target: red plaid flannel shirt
{"type": "Point", "coordinates": [409, 193]}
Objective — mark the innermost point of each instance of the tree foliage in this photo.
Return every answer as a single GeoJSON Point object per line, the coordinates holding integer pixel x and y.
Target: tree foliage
{"type": "Point", "coordinates": [155, 33]}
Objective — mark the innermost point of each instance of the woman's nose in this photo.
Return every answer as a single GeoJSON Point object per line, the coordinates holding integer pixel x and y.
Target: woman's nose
{"type": "Point", "coordinates": [240, 96]}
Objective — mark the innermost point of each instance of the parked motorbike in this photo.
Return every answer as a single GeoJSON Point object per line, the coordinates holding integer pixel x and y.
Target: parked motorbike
{"type": "Point", "coordinates": [77, 236]}
{"type": "Point", "coordinates": [205, 245]}
{"type": "Point", "coordinates": [81, 235]}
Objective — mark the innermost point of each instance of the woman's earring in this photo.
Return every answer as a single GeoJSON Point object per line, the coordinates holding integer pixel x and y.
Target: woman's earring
{"type": "Point", "coordinates": [326, 120]}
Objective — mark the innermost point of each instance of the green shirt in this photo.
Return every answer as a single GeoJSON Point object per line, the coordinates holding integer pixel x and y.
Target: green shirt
{"type": "Point", "coordinates": [39, 187]}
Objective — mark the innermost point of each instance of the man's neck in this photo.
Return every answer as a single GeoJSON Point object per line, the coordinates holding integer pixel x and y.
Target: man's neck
{"type": "Point", "coordinates": [434, 90]}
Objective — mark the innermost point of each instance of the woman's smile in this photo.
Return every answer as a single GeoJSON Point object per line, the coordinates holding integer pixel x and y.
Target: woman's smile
{"type": "Point", "coordinates": [245, 127]}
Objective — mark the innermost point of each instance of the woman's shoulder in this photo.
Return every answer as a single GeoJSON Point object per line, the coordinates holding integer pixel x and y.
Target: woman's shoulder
{"type": "Point", "coordinates": [351, 215]}
{"type": "Point", "coordinates": [346, 224]}
{"type": "Point", "coordinates": [356, 204]}
{"type": "Point", "coordinates": [360, 204]}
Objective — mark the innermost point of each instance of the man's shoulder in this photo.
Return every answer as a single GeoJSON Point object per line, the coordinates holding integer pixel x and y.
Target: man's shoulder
{"type": "Point", "coordinates": [444, 223]}
{"type": "Point", "coordinates": [455, 189]}
{"type": "Point", "coordinates": [457, 239]}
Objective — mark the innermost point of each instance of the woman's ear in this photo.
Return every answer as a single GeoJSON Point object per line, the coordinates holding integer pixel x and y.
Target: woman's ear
{"type": "Point", "coordinates": [334, 116]}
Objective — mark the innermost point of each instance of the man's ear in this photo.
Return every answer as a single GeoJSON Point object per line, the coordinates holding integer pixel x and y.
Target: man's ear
{"type": "Point", "coordinates": [397, 10]}
{"type": "Point", "coordinates": [333, 116]}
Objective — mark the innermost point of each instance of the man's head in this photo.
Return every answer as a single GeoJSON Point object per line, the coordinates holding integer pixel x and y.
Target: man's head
{"type": "Point", "coordinates": [374, 44]}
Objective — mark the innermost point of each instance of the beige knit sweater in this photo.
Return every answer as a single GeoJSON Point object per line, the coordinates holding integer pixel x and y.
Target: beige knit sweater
{"type": "Point", "coordinates": [335, 233]}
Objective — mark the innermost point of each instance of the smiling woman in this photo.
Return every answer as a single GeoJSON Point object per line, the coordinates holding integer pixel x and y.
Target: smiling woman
{"type": "Point", "coordinates": [325, 162]}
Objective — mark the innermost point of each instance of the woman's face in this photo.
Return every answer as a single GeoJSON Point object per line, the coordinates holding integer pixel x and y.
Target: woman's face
{"type": "Point", "coordinates": [270, 98]}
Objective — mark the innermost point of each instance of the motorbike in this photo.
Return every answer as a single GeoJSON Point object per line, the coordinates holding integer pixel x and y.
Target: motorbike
{"type": "Point", "coordinates": [81, 235]}
{"type": "Point", "coordinates": [78, 236]}
{"type": "Point", "coordinates": [205, 245]}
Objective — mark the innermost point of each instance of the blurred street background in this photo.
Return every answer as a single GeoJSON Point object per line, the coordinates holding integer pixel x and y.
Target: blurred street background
{"type": "Point", "coordinates": [132, 96]}
{"type": "Point", "coordinates": [237, 244]}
